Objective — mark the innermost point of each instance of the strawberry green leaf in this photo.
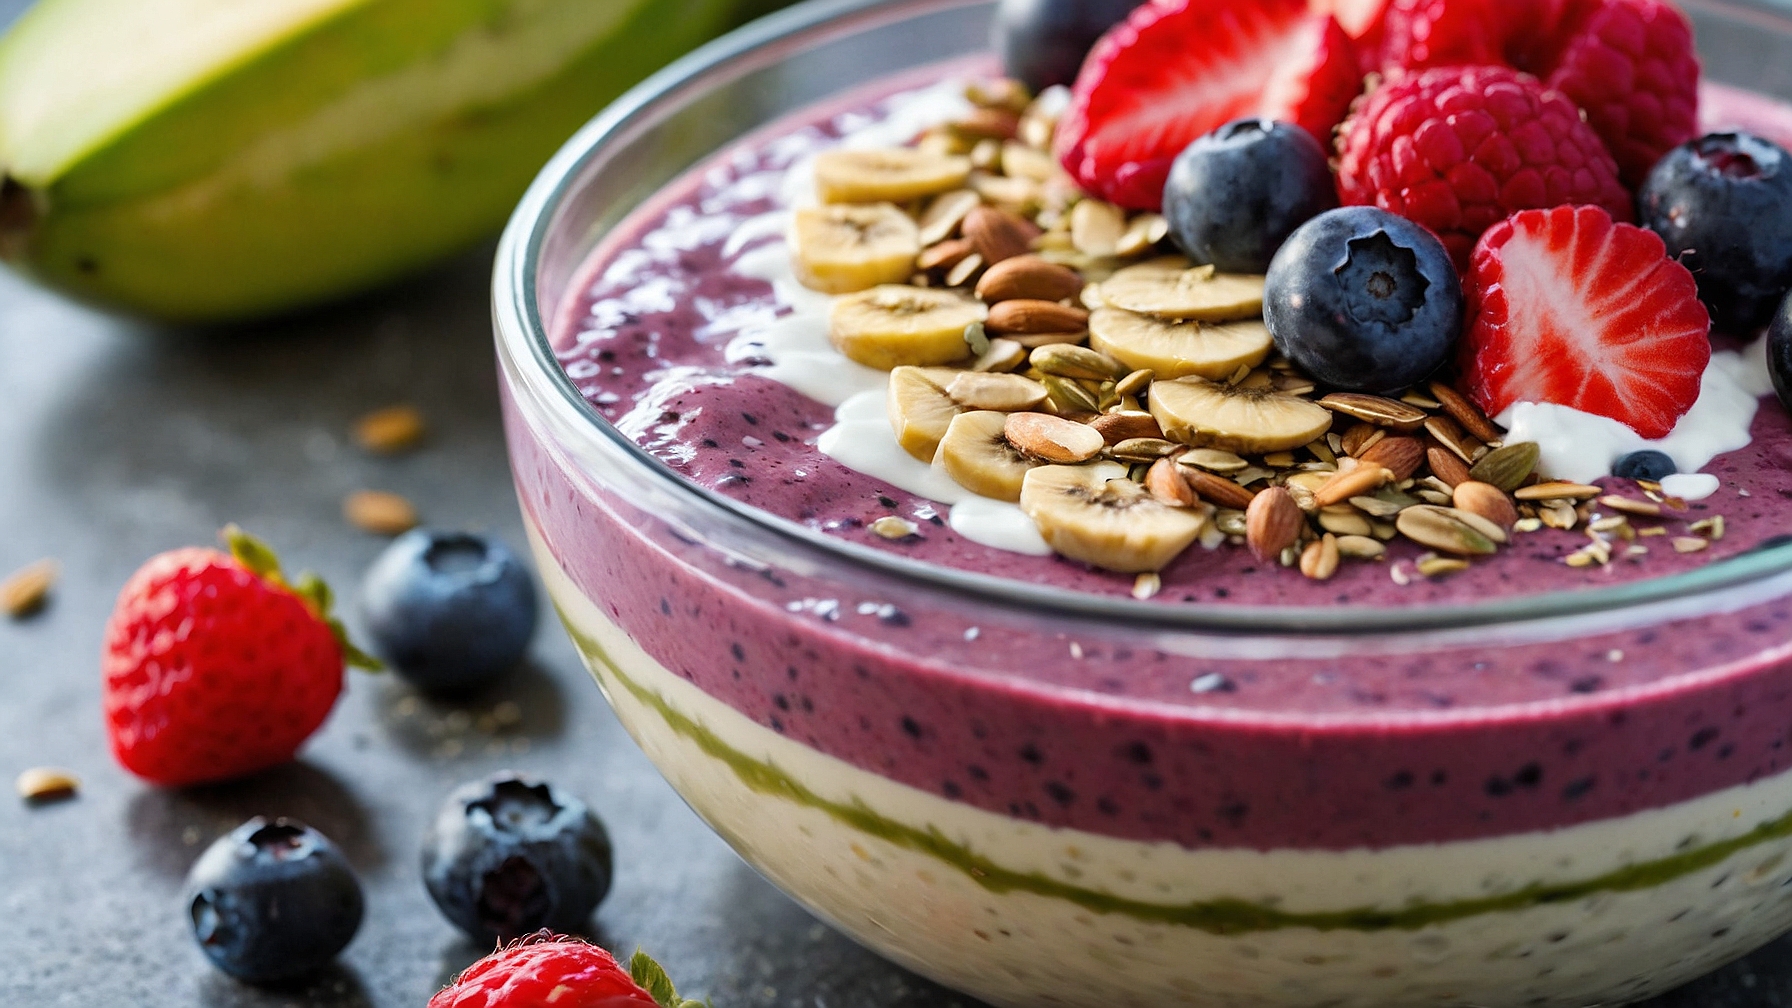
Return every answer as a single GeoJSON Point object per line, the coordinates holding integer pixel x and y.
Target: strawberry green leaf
{"type": "Point", "coordinates": [652, 978]}
{"type": "Point", "coordinates": [353, 656]}
{"type": "Point", "coordinates": [315, 592]}
{"type": "Point", "coordinates": [256, 556]}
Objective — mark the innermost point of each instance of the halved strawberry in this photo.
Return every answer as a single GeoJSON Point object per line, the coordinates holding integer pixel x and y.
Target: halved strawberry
{"type": "Point", "coordinates": [1177, 69]}
{"type": "Point", "coordinates": [1568, 306]}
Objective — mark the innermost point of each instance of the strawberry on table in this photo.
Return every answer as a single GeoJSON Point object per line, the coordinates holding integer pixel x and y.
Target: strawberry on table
{"type": "Point", "coordinates": [1177, 69]}
{"type": "Point", "coordinates": [546, 970]}
{"type": "Point", "coordinates": [1629, 64]}
{"type": "Point", "coordinates": [216, 666]}
{"type": "Point", "coordinates": [1458, 148]}
{"type": "Point", "coordinates": [1568, 306]}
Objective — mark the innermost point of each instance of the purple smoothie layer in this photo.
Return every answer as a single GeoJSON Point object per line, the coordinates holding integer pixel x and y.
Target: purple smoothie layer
{"type": "Point", "coordinates": [1120, 732]}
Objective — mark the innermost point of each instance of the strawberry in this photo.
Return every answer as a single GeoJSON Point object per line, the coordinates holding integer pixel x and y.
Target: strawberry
{"type": "Point", "coordinates": [545, 970]}
{"type": "Point", "coordinates": [216, 667]}
{"type": "Point", "coordinates": [1177, 69]}
{"type": "Point", "coordinates": [1630, 65]}
{"type": "Point", "coordinates": [1568, 306]}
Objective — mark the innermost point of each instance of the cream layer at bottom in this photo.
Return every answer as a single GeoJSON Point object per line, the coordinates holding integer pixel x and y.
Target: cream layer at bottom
{"type": "Point", "coordinates": [1021, 914]}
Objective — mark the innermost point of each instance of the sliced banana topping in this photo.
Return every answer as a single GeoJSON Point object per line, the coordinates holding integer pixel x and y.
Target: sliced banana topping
{"type": "Point", "coordinates": [1008, 393]}
{"type": "Point", "coordinates": [1179, 349]}
{"type": "Point", "coordinates": [887, 174]}
{"type": "Point", "coordinates": [1247, 418]}
{"type": "Point", "coordinates": [1173, 289]}
{"type": "Point", "coordinates": [1084, 513]}
{"type": "Point", "coordinates": [892, 325]}
{"type": "Point", "coordinates": [978, 457]}
{"type": "Point", "coordinates": [919, 408]}
{"type": "Point", "coordinates": [842, 249]}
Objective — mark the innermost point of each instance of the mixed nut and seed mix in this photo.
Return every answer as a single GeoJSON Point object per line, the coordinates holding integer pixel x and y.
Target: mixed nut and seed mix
{"type": "Point", "coordinates": [1044, 349]}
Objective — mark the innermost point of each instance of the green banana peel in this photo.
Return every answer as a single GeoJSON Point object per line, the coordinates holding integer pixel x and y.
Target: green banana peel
{"type": "Point", "coordinates": [214, 161]}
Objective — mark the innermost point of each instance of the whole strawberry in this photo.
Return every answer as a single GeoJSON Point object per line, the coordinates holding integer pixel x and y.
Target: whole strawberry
{"type": "Point", "coordinates": [216, 666]}
{"type": "Point", "coordinates": [546, 970]}
{"type": "Point", "coordinates": [1458, 149]}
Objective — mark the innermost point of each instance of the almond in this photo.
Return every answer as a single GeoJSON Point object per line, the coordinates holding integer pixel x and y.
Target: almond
{"type": "Point", "coordinates": [1399, 455]}
{"type": "Point", "coordinates": [1486, 500]}
{"type": "Point", "coordinates": [1117, 427]}
{"type": "Point", "coordinates": [945, 255]}
{"type": "Point", "coordinates": [1167, 485]}
{"type": "Point", "coordinates": [1217, 490]}
{"type": "Point", "coordinates": [1363, 480]}
{"type": "Point", "coordinates": [1359, 437]}
{"type": "Point", "coordinates": [1272, 523]}
{"type": "Point", "coordinates": [1053, 439]}
{"type": "Point", "coordinates": [997, 234]}
{"type": "Point", "coordinates": [1028, 277]}
{"type": "Point", "coordinates": [1319, 560]}
{"type": "Point", "coordinates": [1465, 413]}
{"type": "Point", "coordinates": [1026, 316]}
{"type": "Point", "coordinates": [1446, 466]}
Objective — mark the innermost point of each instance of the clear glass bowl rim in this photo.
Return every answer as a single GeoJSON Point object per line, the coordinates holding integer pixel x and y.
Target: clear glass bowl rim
{"type": "Point", "coordinates": [523, 344]}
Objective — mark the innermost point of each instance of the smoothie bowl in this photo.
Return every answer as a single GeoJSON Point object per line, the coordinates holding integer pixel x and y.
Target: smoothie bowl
{"type": "Point", "coordinates": [1122, 742]}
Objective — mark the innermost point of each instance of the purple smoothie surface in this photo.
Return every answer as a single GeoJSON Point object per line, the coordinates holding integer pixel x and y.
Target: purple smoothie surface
{"type": "Point", "coordinates": [1088, 725]}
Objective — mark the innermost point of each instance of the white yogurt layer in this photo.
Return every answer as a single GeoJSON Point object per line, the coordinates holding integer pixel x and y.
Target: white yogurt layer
{"type": "Point", "coordinates": [998, 934]}
{"type": "Point", "coordinates": [1582, 447]}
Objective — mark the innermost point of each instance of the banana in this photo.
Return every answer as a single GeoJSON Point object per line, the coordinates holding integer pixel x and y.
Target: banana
{"type": "Point", "coordinates": [977, 457]}
{"type": "Point", "coordinates": [887, 175]}
{"type": "Point", "coordinates": [210, 161]}
{"type": "Point", "coordinates": [919, 409]}
{"type": "Point", "coordinates": [845, 249]}
{"type": "Point", "coordinates": [1178, 349]}
{"type": "Point", "coordinates": [892, 325]}
{"type": "Point", "coordinates": [1171, 288]}
{"type": "Point", "coordinates": [1084, 513]}
{"type": "Point", "coordinates": [1249, 418]}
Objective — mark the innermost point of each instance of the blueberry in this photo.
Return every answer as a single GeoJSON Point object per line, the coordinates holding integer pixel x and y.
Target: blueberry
{"type": "Point", "coordinates": [1237, 193]}
{"type": "Point", "coordinates": [1043, 42]}
{"type": "Point", "coordinates": [511, 855]}
{"type": "Point", "coordinates": [1647, 464]}
{"type": "Point", "coordinates": [451, 611]}
{"type": "Point", "coordinates": [1723, 205]}
{"type": "Point", "coordinates": [272, 901]}
{"type": "Point", "coordinates": [1363, 300]}
{"type": "Point", "coordinates": [1779, 352]}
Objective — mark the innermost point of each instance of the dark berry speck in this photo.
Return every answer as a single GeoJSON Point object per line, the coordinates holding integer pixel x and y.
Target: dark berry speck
{"type": "Point", "coordinates": [1647, 464]}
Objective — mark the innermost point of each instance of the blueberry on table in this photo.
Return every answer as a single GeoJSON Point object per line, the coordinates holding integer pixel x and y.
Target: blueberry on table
{"type": "Point", "coordinates": [1043, 42]}
{"type": "Point", "coordinates": [272, 901]}
{"type": "Point", "coordinates": [451, 611]}
{"type": "Point", "coordinates": [1723, 205]}
{"type": "Point", "coordinates": [1779, 352]}
{"type": "Point", "coordinates": [1647, 464]}
{"type": "Point", "coordinates": [1363, 300]}
{"type": "Point", "coordinates": [1236, 194]}
{"type": "Point", "coordinates": [511, 855]}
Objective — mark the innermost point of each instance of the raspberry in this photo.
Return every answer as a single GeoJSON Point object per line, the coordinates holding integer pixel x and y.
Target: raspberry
{"type": "Point", "coordinates": [216, 668]}
{"type": "Point", "coordinates": [1458, 149]}
{"type": "Point", "coordinates": [546, 970]}
{"type": "Point", "coordinates": [1630, 64]}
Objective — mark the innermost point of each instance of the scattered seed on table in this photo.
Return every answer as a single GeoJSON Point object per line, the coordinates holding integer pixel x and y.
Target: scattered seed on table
{"type": "Point", "coordinates": [379, 512]}
{"type": "Point", "coordinates": [391, 430]}
{"type": "Point", "coordinates": [47, 784]}
{"type": "Point", "coordinates": [24, 592]}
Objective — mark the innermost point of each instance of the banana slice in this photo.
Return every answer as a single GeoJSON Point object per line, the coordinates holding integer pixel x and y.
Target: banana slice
{"type": "Point", "coordinates": [1116, 524]}
{"type": "Point", "coordinates": [892, 325]}
{"type": "Point", "coordinates": [919, 408]}
{"type": "Point", "coordinates": [887, 175]}
{"type": "Point", "coordinates": [1178, 349]}
{"type": "Point", "coordinates": [1171, 288]}
{"type": "Point", "coordinates": [842, 249]}
{"type": "Point", "coordinates": [1247, 418]}
{"type": "Point", "coordinates": [977, 457]}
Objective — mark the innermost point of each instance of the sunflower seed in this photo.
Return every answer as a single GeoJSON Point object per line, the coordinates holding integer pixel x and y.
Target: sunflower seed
{"type": "Point", "coordinates": [1378, 410]}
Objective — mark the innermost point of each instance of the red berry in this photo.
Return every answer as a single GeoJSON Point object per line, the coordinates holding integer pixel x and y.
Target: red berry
{"type": "Point", "coordinates": [1178, 69]}
{"type": "Point", "coordinates": [1567, 306]}
{"type": "Point", "coordinates": [1459, 148]}
{"type": "Point", "coordinates": [545, 971]}
{"type": "Point", "coordinates": [215, 668]}
{"type": "Point", "coordinates": [1630, 64]}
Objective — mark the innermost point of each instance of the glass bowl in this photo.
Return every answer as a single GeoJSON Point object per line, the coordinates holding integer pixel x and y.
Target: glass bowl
{"type": "Point", "coordinates": [1047, 798]}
